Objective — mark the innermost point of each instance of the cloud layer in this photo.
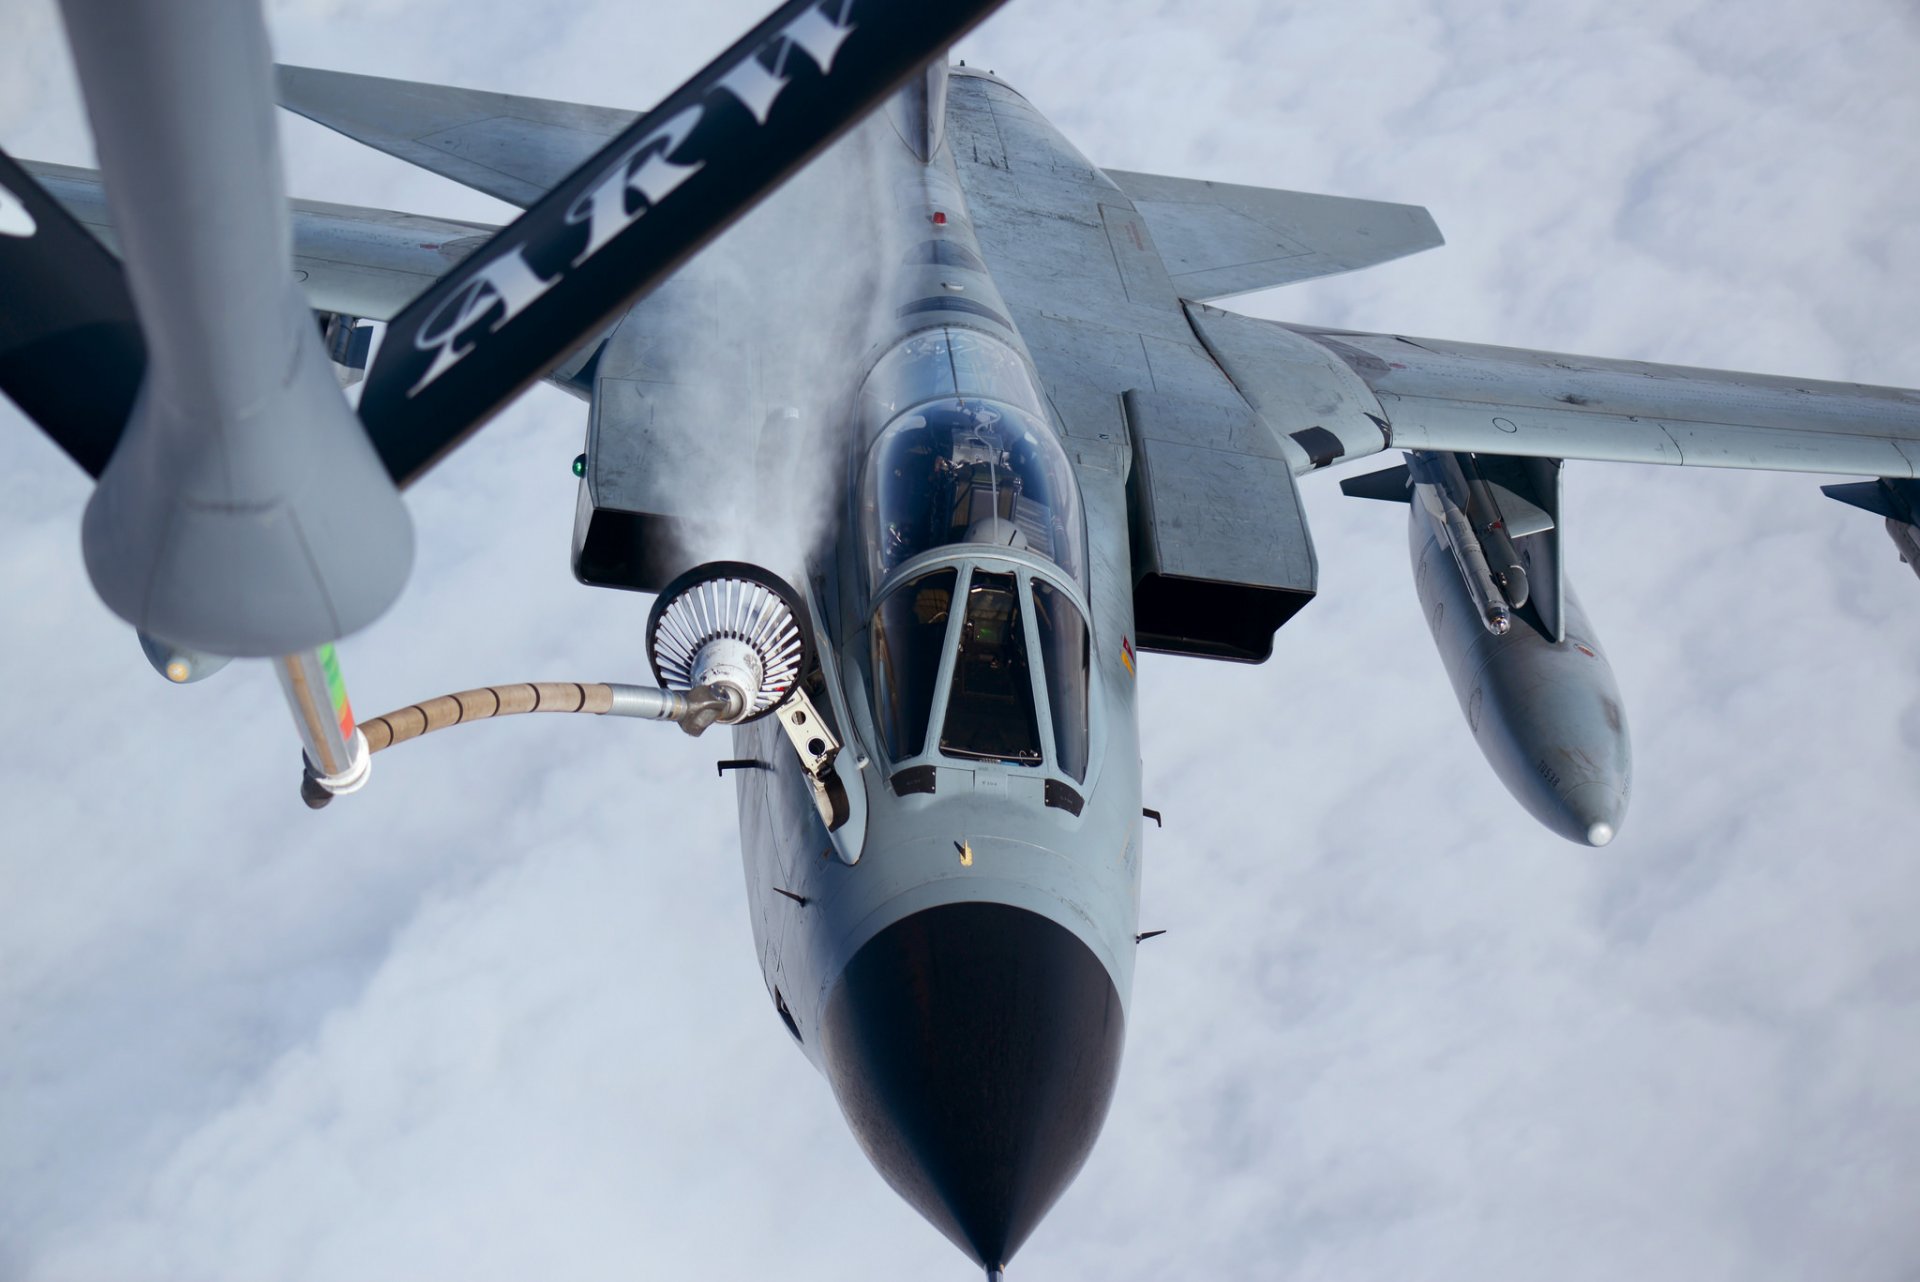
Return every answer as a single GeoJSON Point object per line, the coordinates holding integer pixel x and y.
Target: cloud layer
{"type": "Point", "coordinates": [500, 1015]}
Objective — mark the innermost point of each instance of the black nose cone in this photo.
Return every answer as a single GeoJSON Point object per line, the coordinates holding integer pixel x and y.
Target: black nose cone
{"type": "Point", "coordinates": [973, 1048]}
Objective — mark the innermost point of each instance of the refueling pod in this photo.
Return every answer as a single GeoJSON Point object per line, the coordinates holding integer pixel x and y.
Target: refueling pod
{"type": "Point", "coordinates": [1524, 662]}
{"type": "Point", "coordinates": [177, 663]}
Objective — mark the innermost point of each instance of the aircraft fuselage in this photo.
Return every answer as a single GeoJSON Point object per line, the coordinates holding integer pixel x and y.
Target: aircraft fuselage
{"type": "Point", "coordinates": [957, 960]}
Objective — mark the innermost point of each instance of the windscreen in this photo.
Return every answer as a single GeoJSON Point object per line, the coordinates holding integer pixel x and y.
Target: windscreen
{"type": "Point", "coordinates": [909, 636]}
{"type": "Point", "coordinates": [990, 712]}
{"type": "Point", "coordinates": [1063, 654]}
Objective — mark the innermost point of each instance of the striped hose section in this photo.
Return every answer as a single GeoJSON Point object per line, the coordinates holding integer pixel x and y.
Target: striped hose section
{"type": "Point", "coordinates": [417, 719]}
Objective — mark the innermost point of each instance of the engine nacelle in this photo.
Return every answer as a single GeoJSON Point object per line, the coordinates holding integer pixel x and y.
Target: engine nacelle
{"type": "Point", "coordinates": [1545, 713]}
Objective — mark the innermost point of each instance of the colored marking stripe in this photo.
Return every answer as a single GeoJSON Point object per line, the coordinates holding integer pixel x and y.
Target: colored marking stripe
{"type": "Point", "coordinates": [337, 690]}
{"type": "Point", "coordinates": [1126, 654]}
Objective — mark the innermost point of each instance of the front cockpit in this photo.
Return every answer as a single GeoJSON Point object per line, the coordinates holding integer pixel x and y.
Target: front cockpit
{"type": "Point", "coordinates": [981, 662]}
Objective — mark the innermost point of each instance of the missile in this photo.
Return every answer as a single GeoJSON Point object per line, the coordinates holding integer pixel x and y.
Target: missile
{"type": "Point", "coordinates": [1490, 527]}
{"type": "Point", "coordinates": [1439, 487]}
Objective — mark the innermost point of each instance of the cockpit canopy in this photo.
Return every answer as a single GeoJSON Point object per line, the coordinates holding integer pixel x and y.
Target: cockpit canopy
{"type": "Point", "coordinates": [969, 471]}
{"type": "Point", "coordinates": [950, 361]}
{"type": "Point", "coordinates": [980, 655]}
{"type": "Point", "coordinates": [961, 454]}
{"type": "Point", "coordinates": [993, 709]}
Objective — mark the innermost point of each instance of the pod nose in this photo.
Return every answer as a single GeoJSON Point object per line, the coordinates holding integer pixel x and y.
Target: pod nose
{"type": "Point", "coordinates": [1595, 811]}
{"type": "Point", "coordinates": [974, 1048]}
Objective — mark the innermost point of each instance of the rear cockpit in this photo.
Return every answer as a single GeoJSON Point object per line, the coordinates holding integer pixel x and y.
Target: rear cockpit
{"type": "Point", "coordinates": [974, 472]}
{"type": "Point", "coordinates": [961, 453]}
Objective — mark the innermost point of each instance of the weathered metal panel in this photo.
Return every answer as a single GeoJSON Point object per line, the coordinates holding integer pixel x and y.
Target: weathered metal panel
{"type": "Point", "coordinates": [661, 446]}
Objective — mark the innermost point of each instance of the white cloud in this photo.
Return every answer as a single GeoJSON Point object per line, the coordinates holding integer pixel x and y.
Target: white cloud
{"type": "Point", "coordinates": [500, 1013]}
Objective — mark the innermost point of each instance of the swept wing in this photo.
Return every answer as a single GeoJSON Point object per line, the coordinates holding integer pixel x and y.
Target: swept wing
{"type": "Point", "coordinates": [1387, 391]}
{"type": "Point", "coordinates": [1220, 239]}
{"type": "Point", "coordinates": [511, 148]}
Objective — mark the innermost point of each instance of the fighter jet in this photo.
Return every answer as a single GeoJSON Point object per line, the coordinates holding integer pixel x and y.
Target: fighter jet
{"type": "Point", "coordinates": [1049, 452]}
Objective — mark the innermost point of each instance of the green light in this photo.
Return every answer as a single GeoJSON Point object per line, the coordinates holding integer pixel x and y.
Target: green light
{"type": "Point", "coordinates": [579, 465]}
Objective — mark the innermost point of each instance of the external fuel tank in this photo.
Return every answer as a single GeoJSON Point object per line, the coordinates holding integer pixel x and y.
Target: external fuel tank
{"type": "Point", "coordinates": [1546, 714]}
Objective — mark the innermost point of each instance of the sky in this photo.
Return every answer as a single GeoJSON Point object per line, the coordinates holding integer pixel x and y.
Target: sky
{"type": "Point", "coordinates": [499, 1014]}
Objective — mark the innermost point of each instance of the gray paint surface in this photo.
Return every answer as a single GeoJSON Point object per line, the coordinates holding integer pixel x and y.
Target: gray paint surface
{"type": "Point", "coordinates": [244, 511]}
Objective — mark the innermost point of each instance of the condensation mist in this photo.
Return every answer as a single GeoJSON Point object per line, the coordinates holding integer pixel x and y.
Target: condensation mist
{"type": "Point", "coordinates": [774, 405]}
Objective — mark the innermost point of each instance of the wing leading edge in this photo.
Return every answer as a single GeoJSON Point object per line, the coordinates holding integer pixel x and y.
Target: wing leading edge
{"type": "Point", "coordinates": [1431, 394]}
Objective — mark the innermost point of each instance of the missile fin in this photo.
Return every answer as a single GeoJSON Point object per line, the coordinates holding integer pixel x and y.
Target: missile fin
{"type": "Point", "coordinates": [1390, 485]}
{"type": "Point", "coordinates": [1521, 515]}
{"type": "Point", "coordinates": [1881, 498]}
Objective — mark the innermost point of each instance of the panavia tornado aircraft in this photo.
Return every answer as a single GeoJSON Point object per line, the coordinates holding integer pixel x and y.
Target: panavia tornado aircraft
{"type": "Point", "coordinates": [1047, 453]}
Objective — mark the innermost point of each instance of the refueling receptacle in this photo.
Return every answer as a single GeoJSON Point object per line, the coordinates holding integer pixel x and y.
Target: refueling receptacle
{"type": "Point", "coordinates": [726, 643]}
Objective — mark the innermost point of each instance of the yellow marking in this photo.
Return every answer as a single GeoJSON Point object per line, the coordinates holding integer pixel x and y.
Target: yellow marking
{"type": "Point", "coordinates": [966, 854]}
